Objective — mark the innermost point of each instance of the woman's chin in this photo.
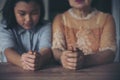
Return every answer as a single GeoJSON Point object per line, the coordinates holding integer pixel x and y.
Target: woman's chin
{"type": "Point", "coordinates": [79, 7]}
{"type": "Point", "coordinates": [79, 1]}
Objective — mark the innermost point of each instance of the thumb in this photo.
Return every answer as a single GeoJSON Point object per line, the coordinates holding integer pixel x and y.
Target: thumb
{"type": "Point", "coordinates": [34, 53]}
{"type": "Point", "coordinates": [30, 52]}
{"type": "Point", "coordinates": [70, 48]}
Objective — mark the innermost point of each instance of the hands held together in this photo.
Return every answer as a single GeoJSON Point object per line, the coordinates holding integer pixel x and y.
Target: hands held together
{"type": "Point", "coordinates": [72, 59]}
{"type": "Point", "coordinates": [31, 61]}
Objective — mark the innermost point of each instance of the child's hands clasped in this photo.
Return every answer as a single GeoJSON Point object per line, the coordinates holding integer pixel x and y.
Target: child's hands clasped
{"type": "Point", "coordinates": [30, 60]}
{"type": "Point", "coordinates": [72, 59]}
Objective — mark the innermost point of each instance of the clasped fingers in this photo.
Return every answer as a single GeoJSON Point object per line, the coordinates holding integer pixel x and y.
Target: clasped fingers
{"type": "Point", "coordinates": [72, 60]}
{"type": "Point", "coordinates": [28, 61]}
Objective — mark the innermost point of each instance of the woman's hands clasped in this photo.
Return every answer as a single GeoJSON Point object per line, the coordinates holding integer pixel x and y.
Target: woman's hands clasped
{"type": "Point", "coordinates": [72, 59]}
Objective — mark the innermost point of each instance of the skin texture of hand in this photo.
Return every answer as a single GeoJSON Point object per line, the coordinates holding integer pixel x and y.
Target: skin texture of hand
{"type": "Point", "coordinates": [31, 61]}
{"type": "Point", "coordinates": [34, 61]}
{"type": "Point", "coordinates": [28, 60]}
{"type": "Point", "coordinates": [82, 61]}
{"type": "Point", "coordinates": [72, 59]}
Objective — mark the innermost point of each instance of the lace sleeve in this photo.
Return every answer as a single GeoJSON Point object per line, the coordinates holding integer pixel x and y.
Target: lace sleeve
{"type": "Point", "coordinates": [58, 40]}
{"type": "Point", "coordinates": [108, 38]}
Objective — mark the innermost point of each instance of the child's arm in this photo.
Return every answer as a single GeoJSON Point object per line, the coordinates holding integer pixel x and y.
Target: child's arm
{"type": "Point", "coordinates": [7, 45]}
{"type": "Point", "coordinates": [43, 57]}
{"type": "Point", "coordinates": [13, 57]}
{"type": "Point", "coordinates": [25, 61]}
{"type": "Point", "coordinates": [44, 46]}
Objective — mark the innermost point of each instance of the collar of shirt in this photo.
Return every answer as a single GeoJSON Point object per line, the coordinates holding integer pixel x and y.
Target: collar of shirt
{"type": "Point", "coordinates": [22, 30]}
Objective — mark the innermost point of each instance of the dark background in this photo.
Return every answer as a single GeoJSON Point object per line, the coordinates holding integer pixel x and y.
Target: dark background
{"type": "Point", "coordinates": [59, 6]}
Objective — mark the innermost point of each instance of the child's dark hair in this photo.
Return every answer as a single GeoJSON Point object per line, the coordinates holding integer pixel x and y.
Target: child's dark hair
{"type": "Point", "coordinates": [9, 16]}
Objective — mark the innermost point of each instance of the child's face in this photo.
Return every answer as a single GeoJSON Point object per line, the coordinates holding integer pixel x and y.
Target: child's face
{"type": "Point", "coordinates": [27, 14]}
{"type": "Point", "coordinates": [81, 4]}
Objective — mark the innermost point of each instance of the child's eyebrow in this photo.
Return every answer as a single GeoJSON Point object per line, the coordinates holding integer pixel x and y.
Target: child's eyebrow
{"type": "Point", "coordinates": [35, 10]}
{"type": "Point", "coordinates": [21, 11]}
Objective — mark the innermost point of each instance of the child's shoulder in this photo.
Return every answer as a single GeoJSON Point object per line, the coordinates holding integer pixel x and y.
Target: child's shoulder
{"type": "Point", "coordinates": [45, 25]}
{"type": "Point", "coordinates": [4, 31]}
{"type": "Point", "coordinates": [2, 27]}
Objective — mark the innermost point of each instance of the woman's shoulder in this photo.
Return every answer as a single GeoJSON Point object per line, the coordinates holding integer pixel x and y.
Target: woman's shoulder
{"type": "Point", "coordinates": [58, 16]}
{"type": "Point", "coordinates": [103, 18]}
{"type": "Point", "coordinates": [104, 14]}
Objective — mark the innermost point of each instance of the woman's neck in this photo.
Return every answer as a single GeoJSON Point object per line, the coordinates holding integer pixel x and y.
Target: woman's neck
{"type": "Point", "coordinates": [81, 12]}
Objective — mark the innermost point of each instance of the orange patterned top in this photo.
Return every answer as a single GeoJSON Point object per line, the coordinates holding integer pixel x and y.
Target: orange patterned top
{"type": "Point", "coordinates": [91, 34]}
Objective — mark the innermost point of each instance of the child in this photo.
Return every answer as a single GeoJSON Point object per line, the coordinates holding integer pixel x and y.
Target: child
{"type": "Point", "coordinates": [26, 39]}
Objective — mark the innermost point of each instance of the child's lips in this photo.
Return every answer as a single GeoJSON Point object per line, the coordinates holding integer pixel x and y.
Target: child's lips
{"type": "Point", "coordinates": [79, 1]}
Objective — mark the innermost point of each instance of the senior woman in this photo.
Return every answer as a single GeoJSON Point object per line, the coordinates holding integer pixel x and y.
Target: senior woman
{"type": "Point", "coordinates": [83, 36]}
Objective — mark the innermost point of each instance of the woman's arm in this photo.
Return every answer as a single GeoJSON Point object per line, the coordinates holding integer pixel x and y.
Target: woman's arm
{"type": "Point", "coordinates": [58, 39]}
{"type": "Point", "coordinates": [102, 57]}
{"type": "Point", "coordinates": [57, 54]}
{"type": "Point", "coordinates": [107, 50]}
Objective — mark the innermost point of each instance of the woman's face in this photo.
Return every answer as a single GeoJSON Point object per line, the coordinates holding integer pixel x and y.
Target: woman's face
{"type": "Point", "coordinates": [27, 14]}
{"type": "Point", "coordinates": [80, 4]}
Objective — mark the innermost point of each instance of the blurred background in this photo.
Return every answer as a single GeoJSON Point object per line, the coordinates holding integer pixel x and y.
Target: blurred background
{"type": "Point", "coordinates": [53, 7]}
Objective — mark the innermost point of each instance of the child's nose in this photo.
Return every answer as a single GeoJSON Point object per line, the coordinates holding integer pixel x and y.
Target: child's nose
{"type": "Point", "coordinates": [27, 18]}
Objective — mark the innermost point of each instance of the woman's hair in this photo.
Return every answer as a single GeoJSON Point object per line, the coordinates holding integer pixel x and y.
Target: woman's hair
{"type": "Point", "coordinates": [9, 16]}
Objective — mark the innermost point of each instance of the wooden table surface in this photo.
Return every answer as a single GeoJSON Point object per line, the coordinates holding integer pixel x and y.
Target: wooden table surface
{"type": "Point", "coordinates": [103, 72]}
